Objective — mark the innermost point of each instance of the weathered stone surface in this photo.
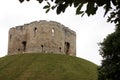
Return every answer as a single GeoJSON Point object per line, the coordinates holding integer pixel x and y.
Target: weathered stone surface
{"type": "Point", "coordinates": [42, 36]}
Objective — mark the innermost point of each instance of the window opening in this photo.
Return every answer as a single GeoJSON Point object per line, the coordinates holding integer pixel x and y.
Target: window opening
{"type": "Point", "coordinates": [19, 49]}
{"type": "Point", "coordinates": [59, 49]}
{"type": "Point", "coordinates": [67, 47]}
{"type": "Point", "coordinates": [42, 47]}
{"type": "Point", "coordinates": [24, 45]}
{"type": "Point", "coordinates": [53, 31]}
{"type": "Point", "coordinates": [35, 29]}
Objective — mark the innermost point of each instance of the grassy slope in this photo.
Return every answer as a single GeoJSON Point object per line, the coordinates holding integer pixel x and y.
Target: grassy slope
{"type": "Point", "coordinates": [46, 67]}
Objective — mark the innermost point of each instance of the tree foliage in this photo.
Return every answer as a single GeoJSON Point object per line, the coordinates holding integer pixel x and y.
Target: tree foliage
{"type": "Point", "coordinates": [110, 51]}
{"type": "Point", "coordinates": [112, 6]}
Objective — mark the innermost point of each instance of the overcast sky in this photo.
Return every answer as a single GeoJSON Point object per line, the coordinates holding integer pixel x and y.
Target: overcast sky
{"type": "Point", "coordinates": [90, 30]}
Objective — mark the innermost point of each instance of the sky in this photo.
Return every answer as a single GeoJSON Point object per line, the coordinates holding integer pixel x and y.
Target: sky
{"type": "Point", "coordinates": [90, 30]}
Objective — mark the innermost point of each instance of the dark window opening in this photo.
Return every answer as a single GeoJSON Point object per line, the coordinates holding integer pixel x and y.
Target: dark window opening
{"type": "Point", "coordinates": [35, 29]}
{"type": "Point", "coordinates": [19, 49]}
{"type": "Point", "coordinates": [67, 47]}
{"type": "Point", "coordinates": [59, 49]}
{"type": "Point", "coordinates": [24, 45]}
{"type": "Point", "coordinates": [42, 47]}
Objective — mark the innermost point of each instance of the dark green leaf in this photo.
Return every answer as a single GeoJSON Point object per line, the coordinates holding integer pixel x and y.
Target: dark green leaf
{"type": "Point", "coordinates": [78, 9]}
{"type": "Point", "coordinates": [21, 1]}
{"type": "Point", "coordinates": [45, 7]}
{"type": "Point", "coordinates": [58, 1]}
{"type": "Point", "coordinates": [109, 19]}
{"type": "Point", "coordinates": [106, 10]}
{"type": "Point", "coordinates": [52, 0]}
{"type": "Point", "coordinates": [91, 9]}
{"type": "Point", "coordinates": [107, 7]}
{"type": "Point", "coordinates": [114, 2]}
{"type": "Point", "coordinates": [64, 7]}
{"type": "Point", "coordinates": [53, 7]}
{"type": "Point", "coordinates": [100, 2]}
{"type": "Point", "coordinates": [116, 20]}
{"type": "Point", "coordinates": [47, 10]}
{"type": "Point", "coordinates": [77, 2]}
{"type": "Point", "coordinates": [71, 2]}
{"type": "Point", "coordinates": [80, 12]}
{"type": "Point", "coordinates": [59, 9]}
{"type": "Point", "coordinates": [40, 1]}
{"type": "Point", "coordinates": [48, 3]}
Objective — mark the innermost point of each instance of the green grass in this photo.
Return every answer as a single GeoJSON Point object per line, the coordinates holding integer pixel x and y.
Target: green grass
{"type": "Point", "coordinates": [46, 67]}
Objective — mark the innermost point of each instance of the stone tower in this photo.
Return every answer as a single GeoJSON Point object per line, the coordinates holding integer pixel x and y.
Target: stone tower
{"type": "Point", "coordinates": [42, 36]}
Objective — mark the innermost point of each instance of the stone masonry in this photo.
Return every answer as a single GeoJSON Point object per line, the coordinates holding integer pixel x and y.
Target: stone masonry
{"type": "Point", "coordinates": [42, 37]}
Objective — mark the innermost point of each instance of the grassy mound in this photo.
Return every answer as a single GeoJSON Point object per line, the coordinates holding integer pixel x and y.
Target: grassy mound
{"type": "Point", "coordinates": [46, 67]}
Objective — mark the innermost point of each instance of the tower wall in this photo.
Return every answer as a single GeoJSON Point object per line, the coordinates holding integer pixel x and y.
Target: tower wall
{"type": "Point", "coordinates": [42, 36]}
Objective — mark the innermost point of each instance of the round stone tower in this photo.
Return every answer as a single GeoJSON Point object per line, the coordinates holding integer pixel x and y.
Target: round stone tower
{"type": "Point", "coordinates": [42, 37]}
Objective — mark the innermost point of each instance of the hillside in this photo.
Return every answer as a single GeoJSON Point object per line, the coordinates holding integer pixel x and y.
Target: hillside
{"type": "Point", "coordinates": [46, 67]}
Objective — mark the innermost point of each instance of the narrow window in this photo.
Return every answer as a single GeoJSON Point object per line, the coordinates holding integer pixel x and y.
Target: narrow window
{"type": "Point", "coordinates": [35, 29]}
{"type": "Point", "coordinates": [59, 49]}
{"type": "Point", "coordinates": [24, 45]}
{"type": "Point", "coordinates": [67, 47]}
{"type": "Point", "coordinates": [42, 47]}
{"type": "Point", "coordinates": [53, 31]}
